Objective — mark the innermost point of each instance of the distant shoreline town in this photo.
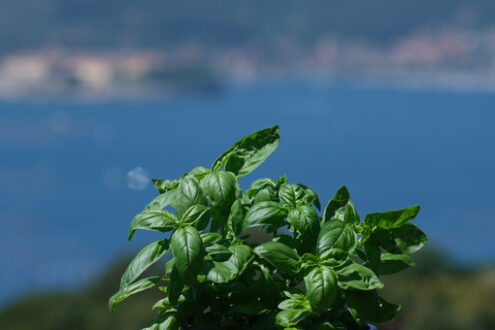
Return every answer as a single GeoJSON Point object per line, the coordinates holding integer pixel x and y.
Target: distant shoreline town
{"type": "Point", "coordinates": [446, 58]}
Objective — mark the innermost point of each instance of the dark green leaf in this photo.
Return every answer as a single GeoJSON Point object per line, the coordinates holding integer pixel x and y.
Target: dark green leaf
{"type": "Point", "coordinates": [306, 221]}
{"type": "Point", "coordinates": [156, 220]}
{"type": "Point", "coordinates": [249, 308]}
{"type": "Point", "coordinates": [368, 306]}
{"type": "Point", "coordinates": [278, 255]}
{"type": "Point", "coordinates": [164, 321]}
{"type": "Point", "coordinates": [341, 207]}
{"type": "Point", "coordinates": [197, 215]}
{"type": "Point", "coordinates": [175, 286]}
{"type": "Point", "coordinates": [335, 234]}
{"type": "Point", "coordinates": [373, 254]}
{"type": "Point", "coordinates": [393, 263]}
{"type": "Point", "coordinates": [264, 213]}
{"type": "Point", "coordinates": [321, 288]}
{"type": "Point", "coordinates": [188, 193]}
{"type": "Point", "coordinates": [188, 251]}
{"type": "Point", "coordinates": [263, 182]}
{"type": "Point", "coordinates": [310, 197]}
{"type": "Point", "coordinates": [291, 194]}
{"type": "Point", "coordinates": [249, 152]}
{"type": "Point", "coordinates": [143, 260]}
{"type": "Point", "coordinates": [385, 239]}
{"type": "Point", "coordinates": [131, 289]}
{"type": "Point", "coordinates": [291, 317]}
{"type": "Point", "coordinates": [391, 219]}
{"type": "Point", "coordinates": [220, 188]}
{"type": "Point", "coordinates": [223, 272]}
{"type": "Point", "coordinates": [358, 277]}
{"type": "Point", "coordinates": [218, 252]}
{"type": "Point", "coordinates": [266, 194]}
{"type": "Point", "coordinates": [409, 238]}
{"type": "Point", "coordinates": [236, 217]}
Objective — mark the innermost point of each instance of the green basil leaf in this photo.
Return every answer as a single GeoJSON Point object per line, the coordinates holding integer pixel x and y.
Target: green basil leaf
{"type": "Point", "coordinates": [358, 277]}
{"type": "Point", "coordinates": [368, 306]}
{"type": "Point", "coordinates": [218, 252]}
{"type": "Point", "coordinates": [291, 194]}
{"type": "Point", "coordinates": [165, 185]}
{"type": "Point", "coordinates": [335, 234]}
{"type": "Point", "coordinates": [131, 289]}
{"type": "Point", "coordinates": [278, 255]}
{"type": "Point", "coordinates": [341, 207]}
{"type": "Point", "coordinates": [175, 286]}
{"type": "Point", "coordinates": [409, 238]}
{"type": "Point", "coordinates": [264, 213]}
{"type": "Point", "coordinates": [373, 254]}
{"type": "Point", "coordinates": [291, 317]}
{"type": "Point", "coordinates": [210, 238]}
{"type": "Point", "coordinates": [266, 194]}
{"type": "Point", "coordinates": [391, 219]}
{"type": "Point", "coordinates": [199, 172]}
{"type": "Point", "coordinates": [156, 220]}
{"type": "Point", "coordinates": [393, 263]}
{"type": "Point", "coordinates": [143, 260]}
{"type": "Point", "coordinates": [249, 308]}
{"type": "Point", "coordinates": [223, 272]}
{"type": "Point", "coordinates": [162, 200]}
{"type": "Point", "coordinates": [188, 252]}
{"type": "Point", "coordinates": [306, 221]}
{"type": "Point", "coordinates": [321, 288]}
{"type": "Point", "coordinates": [220, 188]}
{"type": "Point", "coordinates": [385, 239]}
{"type": "Point", "coordinates": [188, 193]}
{"type": "Point", "coordinates": [164, 321]}
{"type": "Point", "coordinates": [197, 215]}
{"type": "Point", "coordinates": [263, 182]}
{"type": "Point", "coordinates": [236, 217]}
{"type": "Point", "coordinates": [300, 302]}
{"type": "Point", "coordinates": [310, 197]}
{"type": "Point", "coordinates": [249, 152]}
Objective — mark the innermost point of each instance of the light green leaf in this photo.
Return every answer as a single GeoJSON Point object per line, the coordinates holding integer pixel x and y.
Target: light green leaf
{"type": "Point", "coordinates": [340, 207]}
{"type": "Point", "coordinates": [210, 238]}
{"type": "Point", "coordinates": [188, 252]}
{"type": "Point", "coordinates": [249, 152]}
{"type": "Point", "coordinates": [368, 306]}
{"type": "Point", "coordinates": [199, 172]}
{"type": "Point", "coordinates": [306, 221]}
{"type": "Point", "coordinates": [278, 255]}
{"type": "Point", "coordinates": [391, 219]}
{"type": "Point", "coordinates": [264, 213]}
{"type": "Point", "coordinates": [156, 220]}
{"type": "Point", "coordinates": [358, 277]}
{"type": "Point", "coordinates": [131, 289]}
{"type": "Point", "coordinates": [220, 188]}
{"type": "Point", "coordinates": [291, 317]}
{"type": "Point", "coordinates": [165, 199]}
{"type": "Point", "coordinates": [143, 260]}
{"type": "Point", "coordinates": [335, 235]}
{"type": "Point", "coordinates": [165, 185]}
{"type": "Point", "coordinates": [321, 288]}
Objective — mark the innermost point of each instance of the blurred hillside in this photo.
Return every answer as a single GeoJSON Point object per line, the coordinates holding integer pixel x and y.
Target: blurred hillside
{"type": "Point", "coordinates": [435, 295]}
{"type": "Point", "coordinates": [161, 24]}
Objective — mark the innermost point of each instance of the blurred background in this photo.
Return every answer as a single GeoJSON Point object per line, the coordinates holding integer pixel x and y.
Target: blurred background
{"type": "Point", "coordinates": [393, 99]}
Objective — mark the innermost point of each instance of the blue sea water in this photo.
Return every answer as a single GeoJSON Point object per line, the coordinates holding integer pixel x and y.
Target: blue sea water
{"type": "Point", "coordinates": [65, 204]}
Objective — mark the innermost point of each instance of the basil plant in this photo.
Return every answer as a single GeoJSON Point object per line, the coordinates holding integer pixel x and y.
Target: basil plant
{"type": "Point", "coordinates": [312, 272]}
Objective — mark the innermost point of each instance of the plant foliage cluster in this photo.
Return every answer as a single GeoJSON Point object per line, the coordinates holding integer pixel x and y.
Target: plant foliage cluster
{"type": "Point", "coordinates": [317, 272]}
